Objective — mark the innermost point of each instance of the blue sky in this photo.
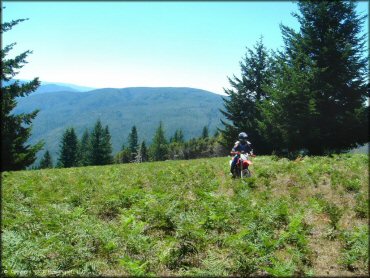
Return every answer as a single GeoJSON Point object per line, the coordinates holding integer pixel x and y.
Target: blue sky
{"type": "Point", "coordinates": [151, 44]}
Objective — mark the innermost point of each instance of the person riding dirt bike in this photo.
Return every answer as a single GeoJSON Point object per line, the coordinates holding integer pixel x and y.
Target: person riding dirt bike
{"type": "Point", "coordinates": [241, 146]}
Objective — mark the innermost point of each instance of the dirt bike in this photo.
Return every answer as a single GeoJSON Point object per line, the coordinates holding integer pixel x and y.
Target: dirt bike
{"type": "Point", "coordinates": [241, 169]}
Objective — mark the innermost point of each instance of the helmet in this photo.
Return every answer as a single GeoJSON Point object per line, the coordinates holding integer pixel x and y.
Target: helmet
{"type": "Point", "coordinates": [243, 137]}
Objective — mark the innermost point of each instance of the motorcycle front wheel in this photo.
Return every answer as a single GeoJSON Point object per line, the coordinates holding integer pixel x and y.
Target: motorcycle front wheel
{"type": "Point", "coordinates": [246, 173]}
{"type": "Point", "coordinates": [237, 173]}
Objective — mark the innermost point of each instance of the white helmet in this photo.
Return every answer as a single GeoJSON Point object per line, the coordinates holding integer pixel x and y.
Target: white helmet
{"type": "Point", "coordinates": [243, 137]}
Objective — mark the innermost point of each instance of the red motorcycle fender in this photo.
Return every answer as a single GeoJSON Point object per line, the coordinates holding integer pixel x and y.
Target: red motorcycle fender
{"type": "Point", "coordinates": [247, 163]}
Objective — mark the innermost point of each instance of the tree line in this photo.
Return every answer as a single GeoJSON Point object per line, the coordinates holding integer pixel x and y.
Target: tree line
{"type": "Point", "coordinates": [95, 148]}
{"type": "Point", "coordinates": [310, 96]}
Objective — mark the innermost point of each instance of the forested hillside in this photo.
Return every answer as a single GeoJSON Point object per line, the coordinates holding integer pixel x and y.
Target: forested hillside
{"type": "Point", "coordinates": [178, 108]}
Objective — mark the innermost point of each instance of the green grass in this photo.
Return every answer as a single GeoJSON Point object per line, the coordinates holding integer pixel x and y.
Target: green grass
{"type": "Point", "coordinates": [188, 218]}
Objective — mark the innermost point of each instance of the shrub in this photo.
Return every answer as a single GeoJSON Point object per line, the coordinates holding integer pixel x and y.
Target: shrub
{"type": "Point", "coordinates": [362, 205]}
{"type": "Point", "coordinates": [356, 246]}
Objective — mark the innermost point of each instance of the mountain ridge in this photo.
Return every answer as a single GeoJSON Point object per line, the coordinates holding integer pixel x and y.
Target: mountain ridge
{"type": "Point", "coordinates": [120, 108]}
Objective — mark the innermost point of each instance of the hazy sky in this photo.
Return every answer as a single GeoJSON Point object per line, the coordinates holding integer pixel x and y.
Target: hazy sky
{"type": "Point", "coordinates": [150, 44]}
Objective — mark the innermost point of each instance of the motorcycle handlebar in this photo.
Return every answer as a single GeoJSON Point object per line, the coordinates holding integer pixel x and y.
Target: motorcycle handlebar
{"type": "Point", "coordinates": [252, 155]}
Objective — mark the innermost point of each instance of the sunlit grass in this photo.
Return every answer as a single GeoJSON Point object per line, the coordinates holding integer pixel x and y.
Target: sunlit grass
{"type": "Point", "coordinates": [188, 218]}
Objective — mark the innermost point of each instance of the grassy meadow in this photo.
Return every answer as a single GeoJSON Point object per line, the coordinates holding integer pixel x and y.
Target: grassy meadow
{"type": "Point", "coordinates": [178, 218]}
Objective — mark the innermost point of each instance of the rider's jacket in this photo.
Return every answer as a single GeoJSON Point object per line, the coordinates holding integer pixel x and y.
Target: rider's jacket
{"type": "Point", "coordinates": [239, 147]}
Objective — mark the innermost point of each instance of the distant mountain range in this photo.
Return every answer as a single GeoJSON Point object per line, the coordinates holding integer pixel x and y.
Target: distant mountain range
{"type": "Point", "coordinates": [62, 106]}
{"type": "Point", "coordinates": [51, 87]}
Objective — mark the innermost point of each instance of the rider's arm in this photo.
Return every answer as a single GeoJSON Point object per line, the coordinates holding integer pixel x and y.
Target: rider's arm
{"type": "Point", "coordinates": [235, 149]}
{"type": "Point", "coordinates": [250, 148]}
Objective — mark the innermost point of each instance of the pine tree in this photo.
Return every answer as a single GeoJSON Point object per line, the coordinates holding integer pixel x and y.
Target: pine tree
{"type": "Point", "coordinates": [84, 149]}
{"type": "Point", "coordinates": [178, 136]}
{"type": "Point", "coordinates": [289, 106]}
{"type": "Point", "coordinates": [68, 149]}
{"type": "Point", "coordinates": [101, 148]}
{"type": "Point", "coordinates": [318, 102]}
{"type": "Point", "coordinates": [96, 143]}
{"type": "Point", "coordinates": [205, 133]}
{"type": "Point", "coordinates": [242, 107]}
{"type": "Point", "coordinates": [107, 147]}
{"type": "Point", "coordinates": [143, 153]}
{"type": "Point", "coordinates": [159, 147]}
{"type": "Point", "coordinates": [46, 161]}
{"type": "Point", "coordinates": [133, 142]}
{"type": "Point", "coordinates": [16, 154]}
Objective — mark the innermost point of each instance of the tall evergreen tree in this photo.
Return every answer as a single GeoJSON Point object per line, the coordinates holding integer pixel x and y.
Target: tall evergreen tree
{"type": "Point", "coordinates": [108, 158]}
{"type": "Point", "coordinates": [96, 143]}
{"type": "Point", "coordinates": [143, 153]}
{"type": "Point", "coordinates": [205, 133]}
{"type": "Point", "coordinates": [291, 99]}
{"type": "Point", "coordinates": [242, 107]}
{"type": "Point", "coordinates": [159, 146]}
{"type": "Point", "coordinates": [101, 148]}
{"type": "Point", "coordinates": [46, 161]}
{"type": "Point", "coordinates": [16, 154]}
{"type": "Point", "coordinates": [318, 102]}
{"type": "Point", "coordinates": [68, 149]}
{"type": "Point", "coordinates": [84, 149]}
{"type": "Point", "coordinates": [133, 142]}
